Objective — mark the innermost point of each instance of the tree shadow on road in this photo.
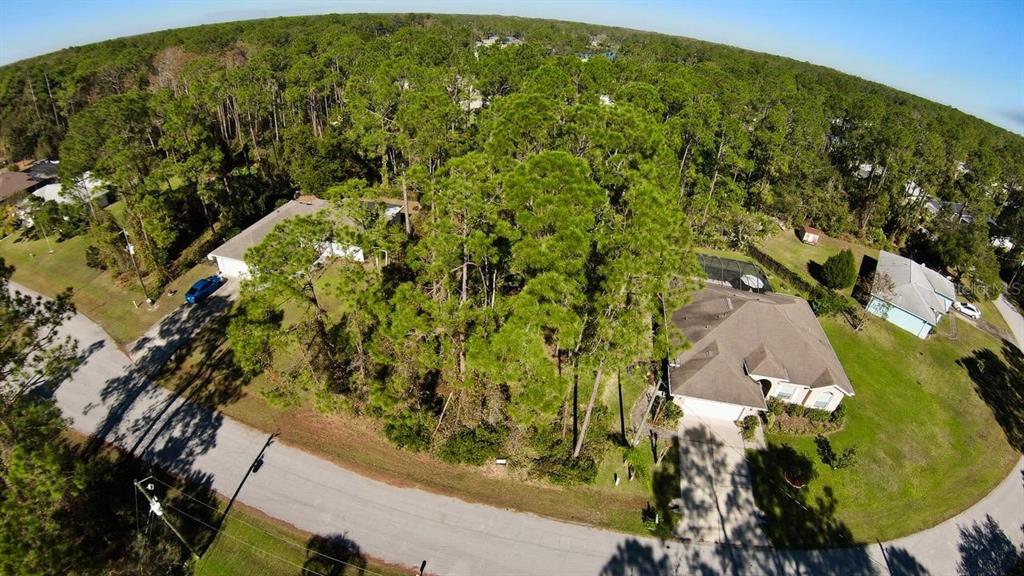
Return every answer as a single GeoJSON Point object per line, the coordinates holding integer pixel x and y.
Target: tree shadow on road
{"type": "Point", "coordinates": [177, 428]}
{"type": "Point", "coordinates": [333, 555]}
{"type": "Point", "coordinates": [900, 562]}
{"type": "Point", "coordinates": [985, 550]}
{"type": "Point", "coordinates": [999, 381]}
{"type": "Point", "coordinates": [634, 557]}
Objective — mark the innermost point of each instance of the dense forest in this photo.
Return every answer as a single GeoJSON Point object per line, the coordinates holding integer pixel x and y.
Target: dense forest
{"type": "Point", "coordinates": [564, 172]}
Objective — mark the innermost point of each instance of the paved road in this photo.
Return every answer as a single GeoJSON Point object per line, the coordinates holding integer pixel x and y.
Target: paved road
{"type": "Point", "coordinates": [111, 397]}
{"type": "Point", "coordinates": [1013, 318]}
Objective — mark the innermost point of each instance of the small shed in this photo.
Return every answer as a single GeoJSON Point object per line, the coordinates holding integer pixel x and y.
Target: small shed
{"type": "Point", "coordinates": [809, 235]}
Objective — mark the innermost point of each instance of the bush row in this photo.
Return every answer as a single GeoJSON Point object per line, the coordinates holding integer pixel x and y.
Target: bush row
{"type": "Point", "coordinates": [796, 419]}
{"type": "Point", "coordinates": [824, 302]}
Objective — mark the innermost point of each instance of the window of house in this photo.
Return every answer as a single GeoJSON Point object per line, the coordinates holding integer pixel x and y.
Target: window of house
{"type": "Point", "coordinates": [785, 392]}
{"type": "Point", "coordinates": [822, 400]}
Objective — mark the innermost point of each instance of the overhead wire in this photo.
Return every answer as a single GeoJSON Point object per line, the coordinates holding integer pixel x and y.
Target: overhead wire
{"type": "Point", "coordinates": [259, 528]}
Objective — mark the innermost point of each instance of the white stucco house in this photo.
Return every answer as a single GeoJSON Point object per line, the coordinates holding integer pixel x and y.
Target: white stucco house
{"type": "Point", "coordinates": [230, 256]}
{"type": "Point", "coordinates": [913, 297]}
{"type": "Point", "coordinates": [86, 188]}
{"type": "Point", "coordinates": [748, 347]}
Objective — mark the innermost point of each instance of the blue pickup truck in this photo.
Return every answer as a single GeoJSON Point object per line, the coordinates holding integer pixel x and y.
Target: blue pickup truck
{"type": "Point", "coordinates": [202, 289]}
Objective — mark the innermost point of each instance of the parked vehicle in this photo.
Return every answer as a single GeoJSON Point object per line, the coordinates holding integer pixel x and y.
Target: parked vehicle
{"type": "Point", "coordinates": [202, 289]}
{"type": "Point", "coordinates": [967, 309]}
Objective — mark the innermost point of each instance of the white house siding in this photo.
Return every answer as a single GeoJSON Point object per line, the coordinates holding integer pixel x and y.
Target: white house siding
{"type": "Point", "coordinates": [804, 395]}
{"type": "Point", "coordinates": [341, 251]}
{"type": "Point", "coordinates": [899, 317]}
{"type": "Point", "coordinates": [231, 267]}
{"type": "Point", "coordinates": [815, 395]}
{"type": "Point", "coordinates": [709, 408]}
{"type": "Point", "coordinates": [780, 386]}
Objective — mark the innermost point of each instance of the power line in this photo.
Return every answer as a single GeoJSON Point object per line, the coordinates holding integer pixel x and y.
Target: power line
{"type": "Point", "coordinates": [155, 508]}
{"type": "Point", "coordinates": [253, 546]}
{"type": "Point", "coordinates": [264, 530]}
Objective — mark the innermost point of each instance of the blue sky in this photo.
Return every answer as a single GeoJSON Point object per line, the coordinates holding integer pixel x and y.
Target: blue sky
{"type": "Point", "coordinates": [966, 54]}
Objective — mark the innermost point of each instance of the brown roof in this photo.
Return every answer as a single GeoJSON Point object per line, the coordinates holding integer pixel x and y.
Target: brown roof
{"type": "Point", "coordinates": [811, 230]}
{"type": "Point", "coordinates": [11, 183]}
{"type": "Point", "coordinates": [414, 206]}
{"type": "Point", "coordinates": [735, 333]}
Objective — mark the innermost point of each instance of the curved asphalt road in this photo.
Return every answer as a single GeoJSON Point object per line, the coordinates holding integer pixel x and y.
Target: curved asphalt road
{"type": "Point", "coordinates": [110, 396]}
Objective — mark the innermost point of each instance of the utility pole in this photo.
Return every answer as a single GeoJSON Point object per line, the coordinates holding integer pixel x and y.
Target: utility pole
{"type": "Point", "coordinates": [131, 254]}
{"type": "Point", "coordinates": [622, 417]}
{"type": "Point", "coordinates": [156, 508]}
{"type": "Point", "coordinates": [46, 235]}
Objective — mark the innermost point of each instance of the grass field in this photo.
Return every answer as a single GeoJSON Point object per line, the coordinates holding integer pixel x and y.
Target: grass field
{"type": "Point", "coordinates": [927, 445]}
{"type": "Point", "coordinates": [97, 294]}
{"type": "Point", "coordinates": [990, 314]}
{"type": "Point", "coordinates": [789, 250]}
{"type": "Point", "coordinates": [253, 544]}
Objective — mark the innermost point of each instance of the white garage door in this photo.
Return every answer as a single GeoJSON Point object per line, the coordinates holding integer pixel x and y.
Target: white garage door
{"type": "Point", "coordinates": [711, 409]}
{"type": "Point", "coordinates": [231, 267]}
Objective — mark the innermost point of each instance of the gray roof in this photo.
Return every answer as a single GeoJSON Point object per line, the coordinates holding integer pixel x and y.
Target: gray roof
{"type": "Point", "coordinates": [914, 287]}
{"type": "Point", "coordinates": [773, 333]}
{"type": "Point", "coordinates": [235, 248]}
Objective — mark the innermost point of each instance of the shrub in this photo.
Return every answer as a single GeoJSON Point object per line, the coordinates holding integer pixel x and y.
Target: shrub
{"type": "Point", "coordinates": [748, 427]}
{"type": "Point", "coordinates": [817, 416]}
{"type": "Point", "coordinates": [408, 430]}
{"type": "Point", "coordinates": [94, 259]}
{"type": "Point", "coordinates": [827, 303]}
{"type": "Point", "coordinates": [796, 419]}
{"type": "Point", "coordinates": [839, 271]}
{"type": "Point", "coordinates": [847, 458]}
{"type": "Point", "coordinates": [838, 416]}
{"type": "Point", "coordinates": [556, 465]}
{"type": "Point", "coordinates": [649, 518]}
{"type": "Point", "coordinates": [828, 455]}
{"type": "Point", "coordinates": [473, 445]}
{"type": "Point", "coordinates": [825, 451]}
{"type": "Point", "coordinates": [565, 470]}
{"type": "Point", "coordinates": [635, 458]}
{"type": "Point", "coordinates": [670, 412]}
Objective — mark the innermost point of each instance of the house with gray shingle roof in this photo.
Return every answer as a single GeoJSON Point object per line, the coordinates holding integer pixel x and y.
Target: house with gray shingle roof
{"type": "Point", "coordinates": [748, 347]}
{"type": "Point", "coordinates": [910, 295]}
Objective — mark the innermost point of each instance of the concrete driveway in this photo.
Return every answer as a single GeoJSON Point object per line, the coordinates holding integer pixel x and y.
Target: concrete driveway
{"type": "Point", "coordinates": [179, 326]}
{"type": "Point", "coordinates": [716, 499]}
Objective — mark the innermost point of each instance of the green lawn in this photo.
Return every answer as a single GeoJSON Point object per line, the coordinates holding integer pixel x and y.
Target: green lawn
{"type": "Point", "coordinates": [990, 314]}
{"type": "Point", "coordinates": [927, 445]}
{"type": "Point", "coordinates": [789, 250]}
{"type": "Point", "coordinates": [253, 543]}
{"type": "Point", "coordinates": [108, 301]}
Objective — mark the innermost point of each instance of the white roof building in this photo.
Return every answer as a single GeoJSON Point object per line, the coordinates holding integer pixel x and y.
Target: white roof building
{"type": "Point", "coordinates": [85, 189]}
